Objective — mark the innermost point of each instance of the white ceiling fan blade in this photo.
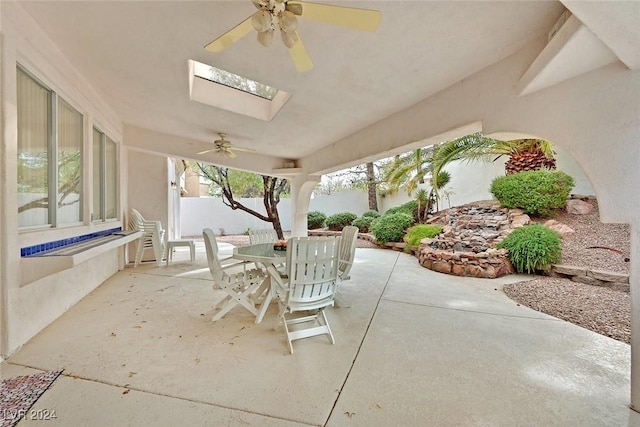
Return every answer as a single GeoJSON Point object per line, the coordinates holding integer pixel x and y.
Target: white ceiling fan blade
{"type": "Point", "coordinates": [300, 56]}
{"type": "Point", "coordinates": [231, 36]}
{"type": "Point", "coordinates": [359, 19]}
{"type": "Point", "coordinates": [230, 153]}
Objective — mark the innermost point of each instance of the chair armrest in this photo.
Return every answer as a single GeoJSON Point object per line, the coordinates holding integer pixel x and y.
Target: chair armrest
{"type": "Point", "coordinates": [226, 258]}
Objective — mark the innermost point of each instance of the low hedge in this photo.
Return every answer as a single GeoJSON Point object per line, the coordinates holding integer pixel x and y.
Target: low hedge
{"type": "Point", "coordinates": [363, 223]}
{"type": "Point", "coordinates": [315, 220]}
{"type": "Point", "coordinates": [535, 192]}
{"type": "Point", "coordinates": [371, 214]}
{"type": "Point", "coordinates": [337, 222]}
{"type": "Point", "coordinates": [391, 228]}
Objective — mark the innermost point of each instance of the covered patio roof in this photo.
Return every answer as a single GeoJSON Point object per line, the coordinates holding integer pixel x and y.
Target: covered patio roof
{"type": "Point", "coordinates": [136, 54]}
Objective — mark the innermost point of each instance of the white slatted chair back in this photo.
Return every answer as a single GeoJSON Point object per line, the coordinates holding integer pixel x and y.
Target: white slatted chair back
{"type": "Point", "coordinates": [312, 275]}
{"type": "Point", "coordinates": [238, 286]}
{"type": "Point", "coordinates": [211, 247]}
{"type": "Point", "coordinates": [265, 235]}
{"type": "Point", "coordinates": [347, 251]}
{"type": "Point", "coordinates": [152, 236]}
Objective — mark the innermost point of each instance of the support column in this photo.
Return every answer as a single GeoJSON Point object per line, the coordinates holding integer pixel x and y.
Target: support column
{"type": "Point", "coordinates": [3, 203]}
{"type": "Point", "coordinates": [634, 282]}
{"type": "Point", "coordinates": [301, 189]}
{"type": "Point", "coordinates": [9, 243]}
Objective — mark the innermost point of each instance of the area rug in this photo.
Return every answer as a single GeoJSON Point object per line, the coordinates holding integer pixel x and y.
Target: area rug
{"type": "Point", "coordinates": [18, 394]}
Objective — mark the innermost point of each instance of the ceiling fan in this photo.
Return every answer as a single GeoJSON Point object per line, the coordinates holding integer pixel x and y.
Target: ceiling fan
{"type": "Point", "coordinates": [281, 15]}
{"type": "Point", "coordinates": [223, 146]}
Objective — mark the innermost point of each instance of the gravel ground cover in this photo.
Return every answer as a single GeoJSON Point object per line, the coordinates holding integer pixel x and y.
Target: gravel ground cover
{"type": "Point", "coordinates": [597, 308]}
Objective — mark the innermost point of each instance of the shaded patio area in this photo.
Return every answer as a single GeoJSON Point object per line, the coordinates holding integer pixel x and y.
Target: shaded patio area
{"type": "Point", "coordinates": [415, 348]}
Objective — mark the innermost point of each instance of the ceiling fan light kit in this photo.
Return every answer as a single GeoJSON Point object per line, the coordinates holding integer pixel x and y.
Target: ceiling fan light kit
{"type": "Point", "coordinates": [265, 38]}
{"type": "Point", "coordinates": [289, 38]}
{"type": "Point", "coordinates": [271, 16]}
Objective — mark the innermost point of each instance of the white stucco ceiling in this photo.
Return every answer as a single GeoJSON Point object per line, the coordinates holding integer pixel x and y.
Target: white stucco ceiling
{"type": "Point", "coordinates": [135, 54]}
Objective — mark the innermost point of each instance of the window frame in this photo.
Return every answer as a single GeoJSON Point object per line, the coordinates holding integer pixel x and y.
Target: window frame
{"type": "Point", "coordinates": [52, 147]}
{"type": "Point", "coordinates": [101, 188]}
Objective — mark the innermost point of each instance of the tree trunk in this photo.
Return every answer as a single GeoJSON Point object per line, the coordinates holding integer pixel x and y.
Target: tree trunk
{"type": "Point", "coordinates": [273, 187]}
{"type": "Point", "coordinates": [372, 187]}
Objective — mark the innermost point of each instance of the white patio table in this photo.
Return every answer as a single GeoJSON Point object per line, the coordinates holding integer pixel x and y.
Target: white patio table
{"type": "Point", "coordinates": [265, 254]}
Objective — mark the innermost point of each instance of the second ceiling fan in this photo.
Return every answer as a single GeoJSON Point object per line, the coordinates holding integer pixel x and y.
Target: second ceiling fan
{"type": "Point", "coordinates": [281, 15]}
{"type": "Point", "coordinates": [224, 146]}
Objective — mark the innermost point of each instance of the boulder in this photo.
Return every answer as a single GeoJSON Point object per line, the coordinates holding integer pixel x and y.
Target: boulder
{"type": "Point", "coordinates": [520, 220]}
{"type": "Point", "coordinates": [560, 228]}
{"type": "Point", "coordinates": [578, 207]}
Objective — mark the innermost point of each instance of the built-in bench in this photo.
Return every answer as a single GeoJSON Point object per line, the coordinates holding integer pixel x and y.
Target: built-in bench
{"type": "Point", "coordinates": [44, 259]}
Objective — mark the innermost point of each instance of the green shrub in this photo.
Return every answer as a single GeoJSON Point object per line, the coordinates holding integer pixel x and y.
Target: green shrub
{"type": "Point", "coordinates": [533, 247]}
{"type": "Point", "coordinates": [391, 228]}
{"type": "Point", "coordinates": [421, 231]}
{"type": "Point", "coordinates": [363, 223]}
{"type": "Point", "coordinates": [371, 214]}
{"type": "Point", "coordinates": [535, 192]}
{"type": "Point", "coordinates": [409, 208]}
{"type": "Point", "coordinates": [315, 220]}
{"type": "Point", "coordinates": [337, 222]}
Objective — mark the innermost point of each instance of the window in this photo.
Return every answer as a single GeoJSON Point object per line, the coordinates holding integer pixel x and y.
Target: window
{"type": "Point", "coordinates": [105, 177]}
{"type": "Point", "coordinates": [49, 156]}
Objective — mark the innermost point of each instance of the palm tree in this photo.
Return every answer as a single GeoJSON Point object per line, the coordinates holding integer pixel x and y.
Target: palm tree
{"type": "Point", "coordinates": [408, 170]}
{"type": "Point", "coordinates": [524, 154]}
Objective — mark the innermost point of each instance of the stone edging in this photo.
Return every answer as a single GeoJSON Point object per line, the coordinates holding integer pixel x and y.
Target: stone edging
{"type": "Point", "coordinates": [322, 232]}
{"type": "Point", "coordinates": [617, 281]}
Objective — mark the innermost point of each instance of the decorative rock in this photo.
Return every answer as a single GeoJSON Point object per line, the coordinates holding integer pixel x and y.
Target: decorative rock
{"type": "Point", "coordinates": [458, 269]}
{"type": "Point", "coordinates": [578, 207]}
{"type": "Point", "coordinates": [569, 270]}
{"type": "Point", "coordinates": [441, 267]}
{"type": "Point", "coordinates": [559, 227]}
{"type": "Point", "coordinates": [608, 276]}
{"type": "Point", "coordinates": [466, 247]}
{"type": "Point", "coordinates": [520, 221]}
{"type": "Point", "coordinates": [458, 247]}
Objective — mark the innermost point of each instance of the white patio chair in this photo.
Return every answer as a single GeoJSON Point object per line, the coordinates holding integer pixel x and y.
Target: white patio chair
{"type": "Point", "coordinates": [264, 235]}
{"type": "Point", "coordinates": [310, 285]}
{"type": "Point", "coordinates": [152, 236]}
{"type": "Point", "coordinates": [238, 286]}
{"type": "Point", "coordinates": [347, 254]}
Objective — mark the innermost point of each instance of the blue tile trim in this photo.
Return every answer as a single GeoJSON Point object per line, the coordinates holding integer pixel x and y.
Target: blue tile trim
{"type": "Point", "coordinates": [43, 247]}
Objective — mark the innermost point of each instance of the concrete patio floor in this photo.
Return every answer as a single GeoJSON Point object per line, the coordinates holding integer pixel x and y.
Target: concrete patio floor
{"type": "Point", "coordinates": [415, 348]}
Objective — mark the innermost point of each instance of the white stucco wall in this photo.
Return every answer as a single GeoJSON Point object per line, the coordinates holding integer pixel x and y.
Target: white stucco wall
{"type": "Point", "coordinates": [28, 308]}
{"type": "Point", "coordinates": [198, 213]}
{"type": "Point", "coordinates": [354, 201]}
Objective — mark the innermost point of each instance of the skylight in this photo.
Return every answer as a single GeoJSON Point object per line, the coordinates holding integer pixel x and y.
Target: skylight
{"type": "Point", "coordinates": [229, 91]}
{"type": "Point", "coordinates": [238, 82]}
